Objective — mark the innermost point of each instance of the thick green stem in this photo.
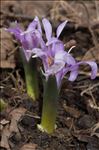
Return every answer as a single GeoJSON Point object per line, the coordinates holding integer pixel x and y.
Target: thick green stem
{"type": "Point", "coordinates": [49, 106]}
{"type": "Point", "coordinates": [3, 105]}
{"type": "Point", "coordinates": [31, 77]}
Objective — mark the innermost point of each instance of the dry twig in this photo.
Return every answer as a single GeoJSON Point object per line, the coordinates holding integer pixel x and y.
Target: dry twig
{"type": "Point", "coordinates": [89, 88]}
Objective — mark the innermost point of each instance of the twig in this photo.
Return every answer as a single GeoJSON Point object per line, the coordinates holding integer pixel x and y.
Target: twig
{"type": "Point", "coordinates": [87, 73]}
{"type": "Point", "coordinates": [7, 78]}
{"type": "Point", "coordinates": [93, 99]}
{"type": "Point", "coordinates": [89, 88]}
{"type": "Point", "coordinates": [12, 52]}
{"type": "Point", "coordinates": [80, 87]}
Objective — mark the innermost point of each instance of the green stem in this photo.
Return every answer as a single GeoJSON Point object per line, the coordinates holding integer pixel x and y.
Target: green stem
{"type": "Point", "coordinates": [3, 105]}
{"type": "Point", "coordinates": [49, 111]}
{"type": "Point", "coordinates": [31, 77]}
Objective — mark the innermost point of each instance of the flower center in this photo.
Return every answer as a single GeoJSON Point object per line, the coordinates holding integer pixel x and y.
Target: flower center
{"type": "Point", "coordinates": [50, 61]}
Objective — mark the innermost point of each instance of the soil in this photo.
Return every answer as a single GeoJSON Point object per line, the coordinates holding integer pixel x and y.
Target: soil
{"type": "Point", "coordinates": [78, 106]}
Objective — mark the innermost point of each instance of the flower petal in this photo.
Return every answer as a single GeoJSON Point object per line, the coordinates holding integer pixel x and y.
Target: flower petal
{"type": "Point", "coordinates": [59, 78]}
{"type": "Point", "coordinates": [73, 75]}
{"type": "Point", "coordinates": [38, 24]}
{"type": "Point", "coordinates": [38, 52]}
{"type": "Point", "coordinates": [94, 67]}
{"type": "Point", "coordinates": [55, 68]}
{"type": "Point", "coordinates": [60, 75]}
{"type": "Point", "coordinates": [51, 41]}
{"type": "Point", "coordinates": [59, 56]}
{"type": "Point", "coordinates": [42, 43]}
{"type": "Point", "coordinates": [47, 28]}
{"type": "Point", "coordinates": [26, 40]}
{"type": "Point", "coordinates": [26, 53]}
{"type": "Point", "coordinates": [16, 30]}
{"type": "Point", "coordinates": [56, 45]}
{"type": "Point", "coordinates": [32, 26]}
{"type": "Point", "coordinates": [60, 28]}
{"type": "Point", "coordinates": [69, 59]}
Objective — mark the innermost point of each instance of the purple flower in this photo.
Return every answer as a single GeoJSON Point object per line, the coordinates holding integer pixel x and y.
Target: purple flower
{"type": "Point", "coordinates": [57, 44]}
{"type": "Point", "coordinates": [58, 62]}
{"type": "Point", "coordinates": [30, 38]}
{"type": "Point", "coordinates": [48, 31]}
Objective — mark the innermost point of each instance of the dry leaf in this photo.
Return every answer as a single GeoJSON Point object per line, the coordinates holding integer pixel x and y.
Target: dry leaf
{"type": "Point", "coordinates": [15, 116]}
{"type": "Point", "coordinates": [29, 146]}
{"type": "Point", "coordinates": [4, 121]}
{"type": "Point", "coordinates": [12, 127]}
{"type": "Point", "coordinates": [6, 46]}
{"type": "Point", "coordinates": [4, 138]}
{"type": "Point", "coordinates": [17, 113]}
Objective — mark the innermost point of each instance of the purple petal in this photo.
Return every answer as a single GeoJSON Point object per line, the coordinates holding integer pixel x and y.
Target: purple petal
{"type": "Point", "coordinates": [42, 43]}
{"type": "Point", "coordinates": [16, 31]}
{"type": "Point", "coordinates": [47, 28]}
{"type": "Point", "coordinates": [60, 28]}
{"type": "Point", "coordinates": [32, 26]}
{"type": "Point", "coordinates": [57, 47]}
{"type": "Point", "coordinates": [27, 54]}
{"type": "Point", "coordinates": [38, 24]}
{"type": "Point", "coordinates": [73, 75]}
{"type": "Point", "coordinates": [55, 68]}
{"type": "Point", "coordinates": [38, 52]}
{"type": "Point", "coordinates": [59, 56]}
{"type": "Point", "coordinates": [30, 39]}
{"type": "Point", "coordinates": [27, 41]}
{"type": "Point", "coordinates": [59, 78]}
{"type": "Point", "coordinates": [69, 59]}
{"type": "Point", "coordinates": [60, 75]}
{"type": "Point", "coordinates": [94, 67]}
{"type": "Point", "coordinates": [51, 41]}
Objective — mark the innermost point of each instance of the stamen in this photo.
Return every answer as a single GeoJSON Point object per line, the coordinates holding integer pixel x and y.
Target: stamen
{"type": "Point", "coordinates": [50, 61]}
{"type": "Point", "coordinates": [34, 56]}
{"type": "Point", "coordinates": [71, 49]}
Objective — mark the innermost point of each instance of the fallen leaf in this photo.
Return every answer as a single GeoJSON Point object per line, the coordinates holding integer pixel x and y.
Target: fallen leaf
{"type": "Point", "coordinates": [7, 46]}
{"type": "Point", "coordinates": [15, 116]}
{"type": "Point", "coordinates": [4, 138]}
{"type": "Point", "coordinates": [4, 121]}
{"type": "Point", "coordinates": [8, 129]}
{"type": "Point", "coordinates": [29, 146]}
{"type": "Point", "coordinates": [17, 113]}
